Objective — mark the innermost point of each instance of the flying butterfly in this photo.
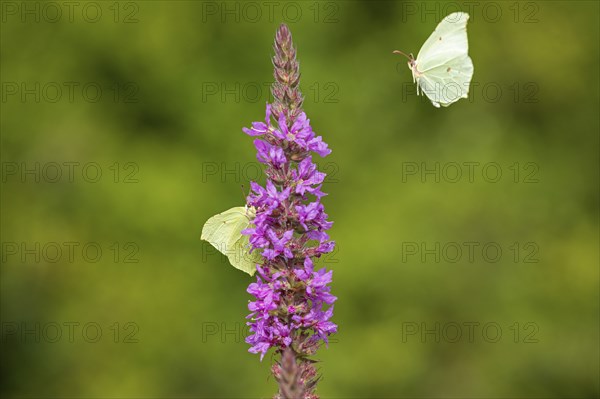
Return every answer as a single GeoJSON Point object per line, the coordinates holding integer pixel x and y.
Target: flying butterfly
{"type": "Point", "coordinates": [443, 68]}
{"type": "Point", "coordinates": [224, 232]}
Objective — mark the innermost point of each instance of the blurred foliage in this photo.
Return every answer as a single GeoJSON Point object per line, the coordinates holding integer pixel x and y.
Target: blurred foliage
{"type": "Point", "coordinates": [360, 97]}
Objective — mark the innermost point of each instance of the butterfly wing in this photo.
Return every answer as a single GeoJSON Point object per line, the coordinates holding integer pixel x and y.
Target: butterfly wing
{"type": "Point", "coordinates": [224, 232]}
{"type": "Point", "coordinates": [241, 258]}
{"type": "Point", "coordinates": [447, 83]}
{"type": "Point", "coordinates": [220, 229]}
{"type": "Point", "coordinates": [443, 64]}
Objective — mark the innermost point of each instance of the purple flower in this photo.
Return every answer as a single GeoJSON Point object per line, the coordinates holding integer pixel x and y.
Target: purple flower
{"type": "Point", "coordinates": [312, 216]}
{"type": "Point", "coordinates": [305, 273]}
{"type": "Point", "coordinates": [293, 304]}
{"type": "Point", "coordinates": [317, 287]}
{"type": "Point", "coordinates": [279, 245]}
{"type": "Point", "coordinates": [318, 290]}
{"type": "Point", "coordinates": [306, 177]}
{"type": "Point", "coordinates": [269, 154]}
{"type": "Point", "coordinates": [326, 247]}
{"type": "Point", "coordinates": [269, 198]}
{"type": "Point", "coordinates": [260, 128]}
{"type": "Point", "coordinates": [300, 134]}
{"type": "Point", "coordinates": [318, 320]}
{"type": "Point", "coordinates": [267, 298]}
{"type": "Point", "coordinates": [319, 146]}
{"type": "Point", "coordinates": [268, 330]}
{"type": "Point", "coordinates": [320, 236]}
{"type": "Point", "coordinates": [259, 347]}
{"type": "Point", "coordinates": [279, 206]}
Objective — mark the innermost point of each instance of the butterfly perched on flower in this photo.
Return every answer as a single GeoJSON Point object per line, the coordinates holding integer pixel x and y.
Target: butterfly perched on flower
{"type": "Point", "coordinates": [224, 232]}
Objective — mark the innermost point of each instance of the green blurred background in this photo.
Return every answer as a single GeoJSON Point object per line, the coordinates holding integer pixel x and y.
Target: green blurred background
{"type": "Point", "coordinates": [160, 92]}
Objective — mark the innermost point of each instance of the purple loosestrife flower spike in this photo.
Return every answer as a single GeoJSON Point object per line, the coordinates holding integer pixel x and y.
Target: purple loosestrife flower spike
{"type": "Point", "coordinates": [292, 307]}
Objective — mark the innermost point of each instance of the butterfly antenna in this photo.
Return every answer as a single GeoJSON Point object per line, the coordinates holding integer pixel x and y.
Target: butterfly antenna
{"type": "Point", "coordinates": [244, 195]}
{"type": "Point", "coordinates": [401, 53]}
